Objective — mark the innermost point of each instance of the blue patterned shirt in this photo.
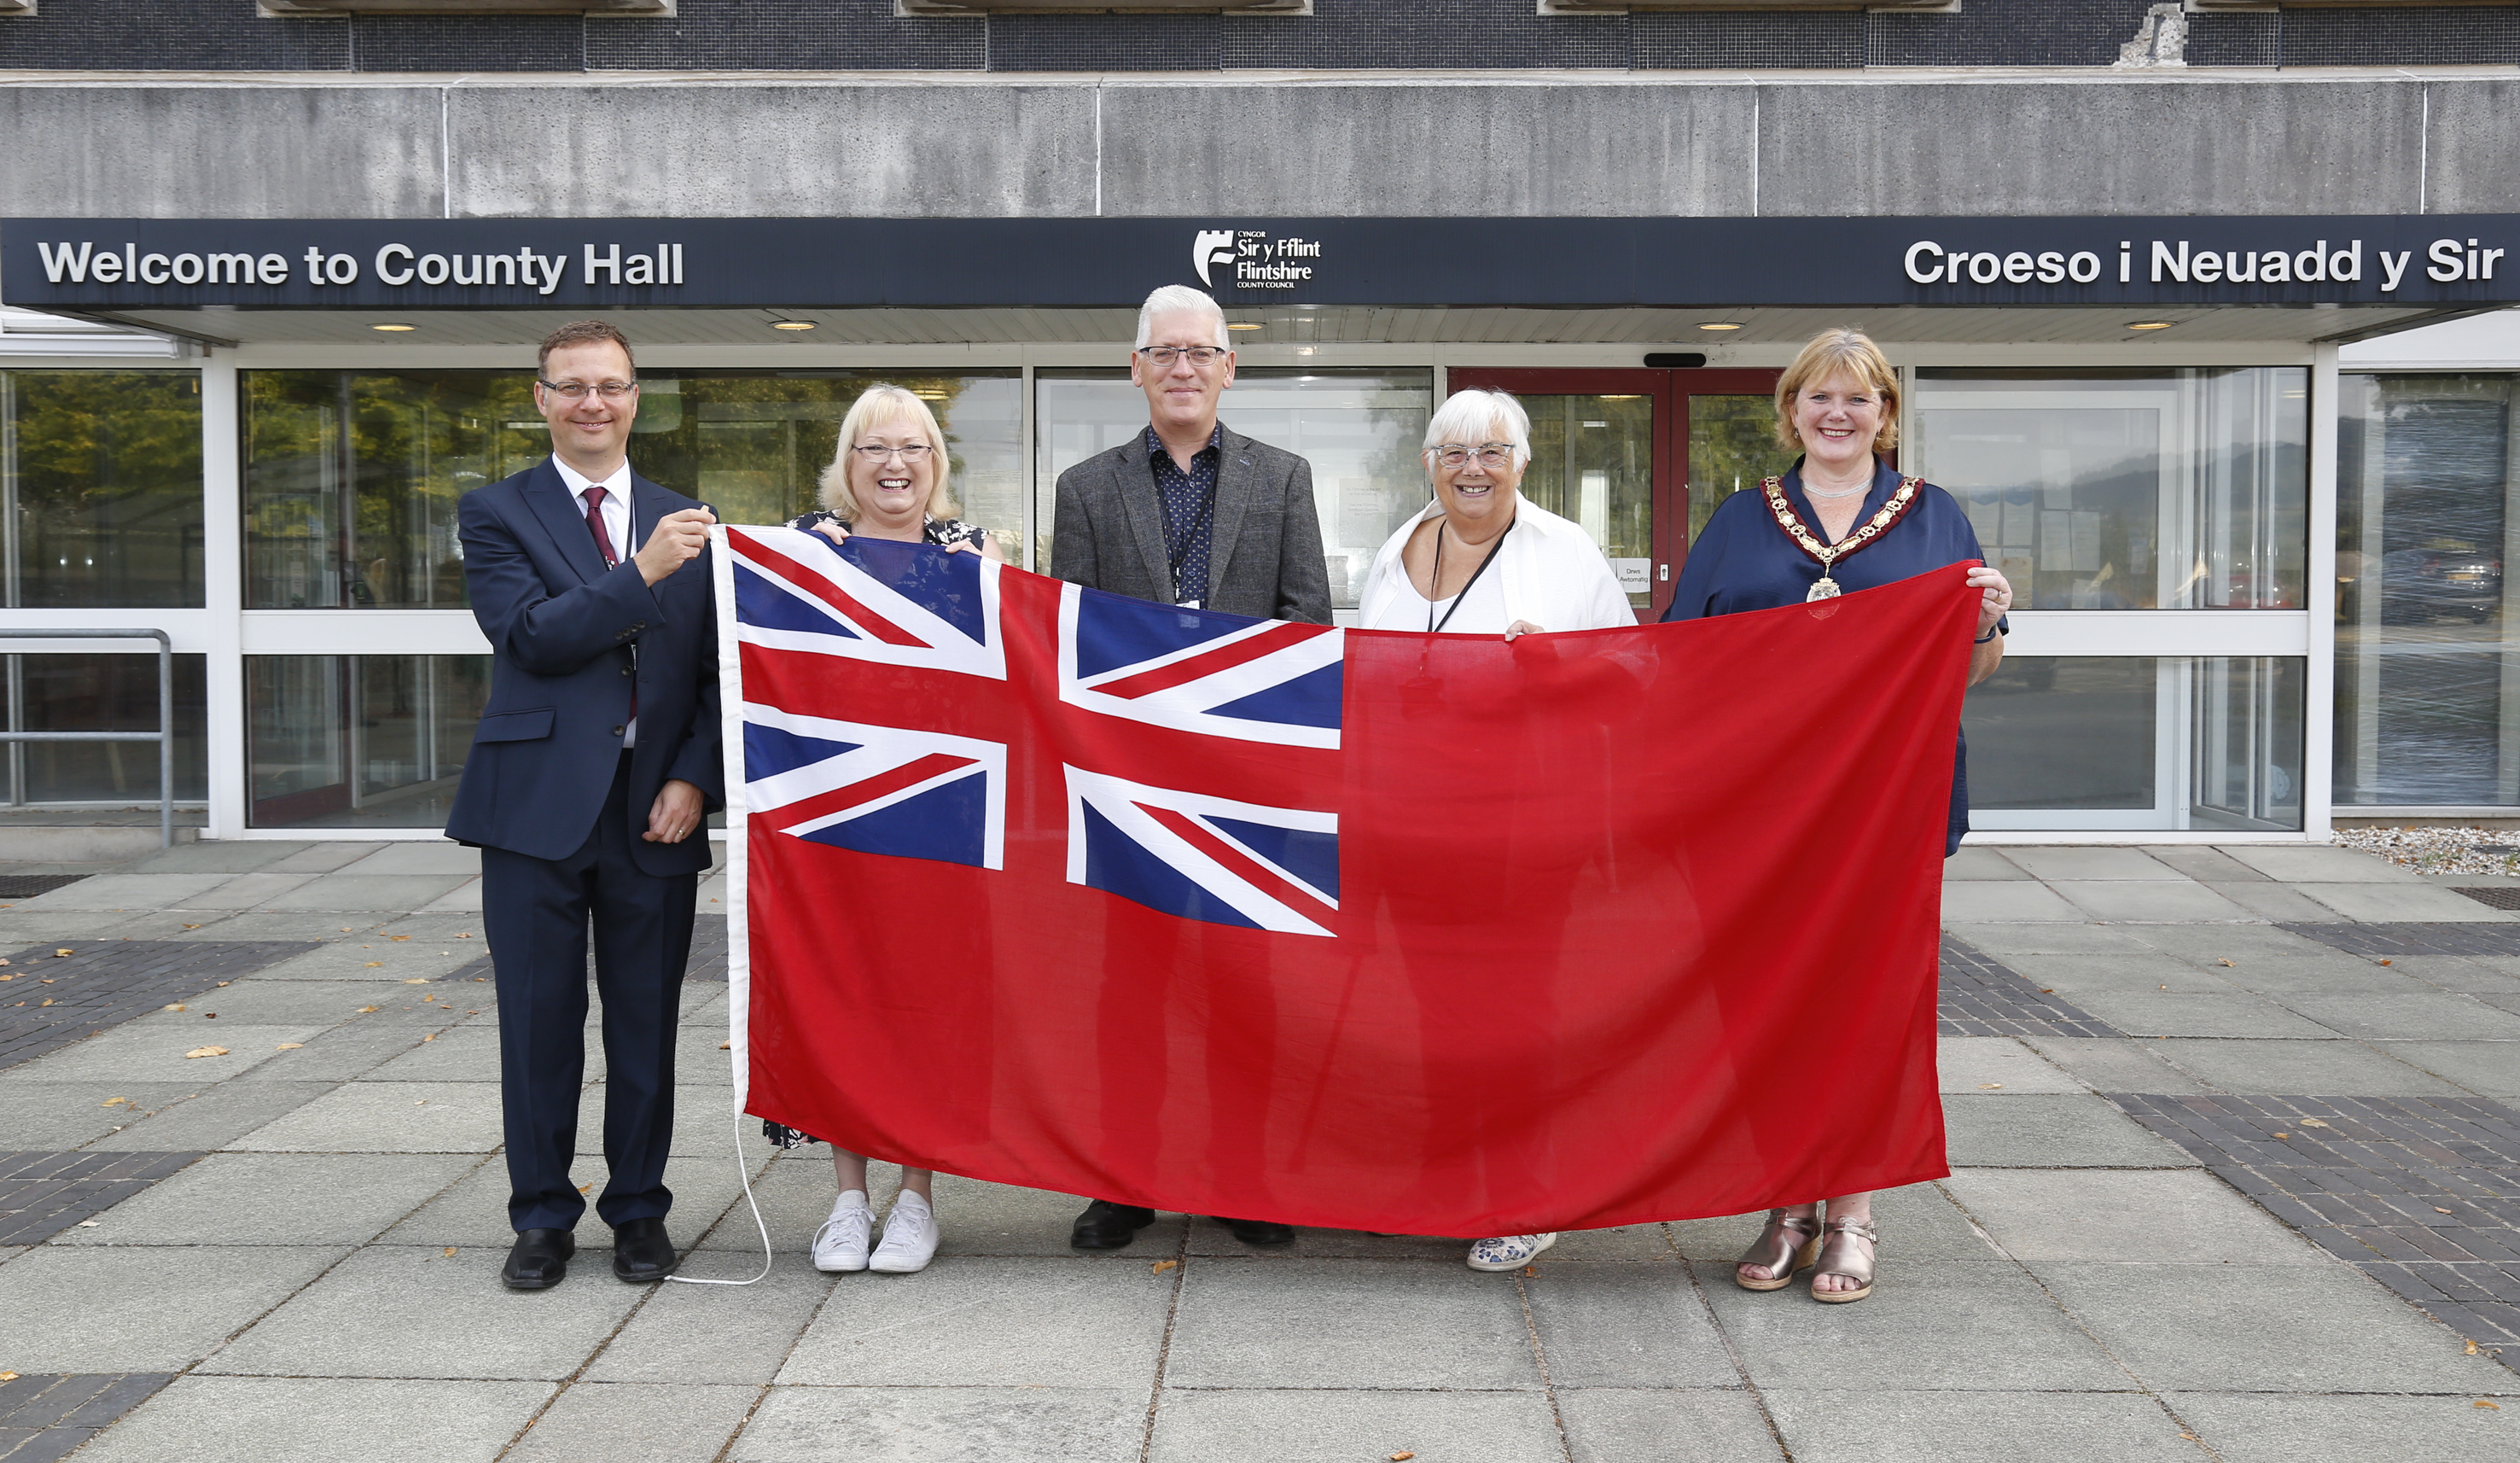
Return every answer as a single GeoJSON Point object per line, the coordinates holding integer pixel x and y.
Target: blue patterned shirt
{"type": "Point", "coordinates": [1190, 512]}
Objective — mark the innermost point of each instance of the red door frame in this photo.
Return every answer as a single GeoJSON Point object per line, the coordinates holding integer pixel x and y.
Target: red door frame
{"type": "Point", "coordinates": [1670, 390]}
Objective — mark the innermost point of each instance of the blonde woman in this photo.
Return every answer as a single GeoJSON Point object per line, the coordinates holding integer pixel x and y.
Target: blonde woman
{"type": "Point", "coordinates": [886, 480]}
{"type": "Point", "coordinates": [1841, 518]}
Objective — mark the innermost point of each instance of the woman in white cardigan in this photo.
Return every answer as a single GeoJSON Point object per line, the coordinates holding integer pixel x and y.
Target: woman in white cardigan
{"type": "Point", "coordinates": [1483, 561]}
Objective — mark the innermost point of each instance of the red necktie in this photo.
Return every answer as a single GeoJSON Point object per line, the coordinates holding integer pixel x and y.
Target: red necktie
{"type": "Point", "coordinates": [595, 525]}
{"type": "Point", "coordinates": [603, 546]}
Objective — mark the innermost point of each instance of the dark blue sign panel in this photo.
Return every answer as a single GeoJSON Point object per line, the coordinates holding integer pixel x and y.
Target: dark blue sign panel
{"type": "Point", "coordinates": [806, 263]}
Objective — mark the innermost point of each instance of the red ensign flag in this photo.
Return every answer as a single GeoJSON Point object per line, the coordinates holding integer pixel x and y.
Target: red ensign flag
{"type": "Point", "coordinates": [1431, 935]}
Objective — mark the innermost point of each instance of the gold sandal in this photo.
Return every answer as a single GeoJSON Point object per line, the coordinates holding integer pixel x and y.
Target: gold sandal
{"type": "Point", "coordinates": [1840, 1257]}
{"type": "Point", "coordinates": [1788, 1244]}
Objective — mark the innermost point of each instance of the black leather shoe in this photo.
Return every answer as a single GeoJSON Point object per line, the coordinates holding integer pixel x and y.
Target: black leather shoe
{"type": "Point", "coordinates": [1263, 1232]}
{"type": "Point", "coordinates": [640, 1253]}
{"type": "Point", "coordinates": [1106, 1225]}
{"type": "Point", "coordinates": [538, 1261]}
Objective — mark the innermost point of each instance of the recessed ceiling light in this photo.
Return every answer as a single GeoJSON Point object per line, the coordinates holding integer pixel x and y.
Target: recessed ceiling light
{"type": "Point", "coordinates": [395, 328]}
{"type": "Point", "coordinates": [2150, 324]}
{"type": "Point", "coordinates": [1718, 325]}
{"type": "Point", "coordinates": [792, 324]}
{"type": "Point", "coordinates": [1242, 325]}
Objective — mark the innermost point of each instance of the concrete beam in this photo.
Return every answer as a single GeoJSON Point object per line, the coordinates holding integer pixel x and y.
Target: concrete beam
{"type": "Point", "coordinates": [2475, 168]}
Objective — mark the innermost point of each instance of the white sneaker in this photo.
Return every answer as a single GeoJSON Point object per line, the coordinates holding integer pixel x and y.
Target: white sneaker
{"type": "Point", "coordinates": [909, 1237]}
{"type": "Point", "coordinates": [1509, 1251]}
{"type": "Point", "coordinates": [840, 1245]}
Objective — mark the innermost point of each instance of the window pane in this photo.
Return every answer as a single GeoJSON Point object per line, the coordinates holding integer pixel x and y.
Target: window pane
{"type": "Point", "coordinates": [102, 476]}
{"type": "Point", "coordinates": [2427, 683]}
{"type": "Point", "coordinates": [1731, 446]}
{"type": "Point", "coordinates": [1592, 461]}
{"type": "Point", "coordinates": [360, 741]}
{"type": "Point", "coordinates": [2184, 489]}
{"type": "Point", "coordinates": [363, 514]}
{"type": "Point", "coordinates": [102, 692]}
{"type": "Point", "coordinates": [2136, 742]}
{"type": "Point", "coordinates": [1360, 430]}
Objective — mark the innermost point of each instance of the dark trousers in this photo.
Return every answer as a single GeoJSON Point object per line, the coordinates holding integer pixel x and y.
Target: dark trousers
{"type": "Point", "coordinates": [535, 912]}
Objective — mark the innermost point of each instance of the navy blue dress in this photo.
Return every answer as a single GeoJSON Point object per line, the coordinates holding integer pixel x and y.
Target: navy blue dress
{"type": "Point", "coordinates": [1744, 560]}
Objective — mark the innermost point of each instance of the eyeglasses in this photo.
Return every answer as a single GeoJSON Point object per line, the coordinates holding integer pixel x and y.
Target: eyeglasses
{"type": "Point", "coordinates": [1164, 355]}
{"type": "Point", "coordinates": [575, 391]}
{"type": "Point", "coordinates": [1489, 454]}
{"type": "Point", "coordinates": [878, 451]}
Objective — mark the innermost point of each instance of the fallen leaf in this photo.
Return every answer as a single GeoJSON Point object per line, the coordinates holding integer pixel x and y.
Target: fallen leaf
{"type": "Point", "coordinates": [463, 934]}
{"type": "Point", "coordinates": [2313, 1123]}
{"type": "Point", "coordinates": [399, 938]}
{"type": "Point", "coordinates": [2190, 1437]}
{"type": "Point", "coordinates": [450, 1252]}
{"type": "Point", "coordinates": [205, 1051]}
{"type": "Point", "coordinates": [345, 929]}
{"type": "Point", "coordinates": [726, 1046]}
{"type": "Point", "coordinates": [210, 1016]}
{"type": "Point", "coordinates": [223, 982]}
{"type": "Point", "coordinates": [2387, 962]}
{"type": "Point", "coordinates": [582, 1188]}
{"type": "Point", "coordinates": [2283, 1135]}
{"type": "Point", "coordinates": [364, 1010]}
{"type": "Point", "coordinates": [1162, 1265]}
{"type": "Point", "coordinates": [2165, 987]}
{"type": "Point", "coordinates": [178, 1006]}
{"type": "Point", "coordinates": [371, 965]}
{"type": "Point", "coordinates": [2437, 1209]}
{"type": "Point", "coordinates": [290, 1046]}
{"type": "Point", "coordinates": [47, 979]}
{"type": "Point", "coordinates": [91, 1224]}
{"type": "Point", "coordinates": [48, 1000]}
{"type": "Point", "coordinates": [2489, 1406]}
{"type": "Point", "coordinates": [2046, 991]}
{"type": "Point", "coordinates": [116, 1102]}
{"type": "Point", "coordinates": [1988, 1086]}
{"type": "Point", "coordinates": [2471, 1348]}
{"type": "Point", "coordinates": [431, 1037]}
{"type": "Point", "coordinates": [61, 954]}
{"type": "Point", "coordinates": [1402, 1457]}
{"type": "Point", "coordinates": [414, 980]}
{"type": "Point", "coordinates": [192, 926]}
{"type": "Point", "coordinates": [1531, 1269]}
{"type": "Point", "coordinates": [2223, 962]}
{"type": "Point", "coordinates": [8, 1376]}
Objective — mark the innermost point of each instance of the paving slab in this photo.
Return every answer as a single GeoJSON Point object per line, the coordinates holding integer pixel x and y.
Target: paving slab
{"type": "Point", "coordinates": [2068, 864]}
{"type": "Point", "coordinates": [1207, 1237]}
{"type": "Point", "coordinates": [123, 891]}
{"type": "Point", "coordinates": [1338, 1427]}
{"type": "Point", "coordinates": [1252, 1323]}
{"type": "Point", "coordinates": [324, 859]}
{"type": "Point", "coordinates": [2137, 900]}
{"type": "Point", "coordinates": [2472, 974]}
{"type": "Point", "coordinates": [246, 891]}
{"type": "Point", "coordinates": [717, 1334]}
{"type": "Point", "coordinates": [1624, 1325]}
{"type": "Point", "coordinates": [205, 1419]}
{"type": "Point", "coordinates": [705, 1121]}
{"type": "Point", "coordinates": [2411, 1016]}
{"type": "Point", "coordinates": [2147, 970]}
{"type": "Point", "coordinates": [2115, 1063]}
{"type": "Point", "coordinates": [367, 891]}
{"type": "Point", "coordinates": [601, 1422]}
{"type": "Point", "coordinates": [2045, 1130]}
{"type": "Point", "coordinates": [256, 1001]}
{"type": "Point", "coordinates": [2303, 864]}
{"type": "Point", "coordinates": [2091, 1215]}
{"type": "Point", "coordinates": [2206, 865]}
{"type": "Point", "coordinates": [989, 1324]}
{"type": "Point", "coordinates": [2256, 1327]}
{"type": "Point", "coordinates": [276, 1199]}
{"type": "Point", "coordinates": [2399, 903]}
{"type": "Point", "coordinates": [474, 1210]}
{"type": "Point", "coordinates": [1928, 1325]}
{"type": "Point", "coordinates": [211, 1118]}
{"type": "Point", "coordinates": [1621, 1425]}
{"type": "Point", "coordinates": [1975, 1427]}
{"type": "Point", "coordinates": [262, 922]}
{"type": "Point", "coordinates": [56, 1117]}
{"type": "Point", "coordinates": [1629, 1244]}
{"type": "Point", "coordinates": [795, 1195]}
{"type": "Point", "coordinates": [2335, 974]}
{"type": "Point", "coordinates": [2246, 1066]}
{"type": "Point", "coordinates": [463, 898]}
{"type": "Point", "coordinates": [418, 856]}
{"type": "Point", "coordinates": [233, 857]}
{"type": "Point", "coordinates": [2278, 904]}
{"type": "Point", "coordinates": [1972, 863]}
{"type": "Point", "coordinates": [367, 957]}
{"type": "Point", "coordinates": [392, 1312]}
{"type": "Point", "coordinates": [1969, 1064]}
{"type": "Point", "coordinates": [2490, 1068]}
{"type": "Point", "coordinates": [944, 1423]}
{"type": "Point", "coordinates": [2179, 1013]}
{"type": "Point", "coordinates": [72, 1309]}
{"type": "Point", "coordinates": [1919, 1222]}
{"type": "Point", "coordinates": [1995, 902]}
{"type": "Point", "coordinates": [150, 1052]}
{"type": "Point", "coordinates": [353, 1049]}
{"type": "Point", "coordinates": [19, 927]}
{"type": "Point", "coordinates": [2208, 944]}
{"type": "Point", "coordinates": [385, 1118]}
{"type": "Point", "coordinates": [459, 1054]}
{"type": "Point", "coordinates": [2296, 1429]}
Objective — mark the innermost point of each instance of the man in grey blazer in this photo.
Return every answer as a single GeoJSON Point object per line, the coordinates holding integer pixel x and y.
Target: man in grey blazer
{"type": "Point", "coordinates": [1189, 513]}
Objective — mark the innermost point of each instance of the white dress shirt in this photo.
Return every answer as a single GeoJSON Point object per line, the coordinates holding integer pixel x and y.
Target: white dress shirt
{"type": "Point", "coordinates": [1548, 571]}
{"type": "Point", "coordinates": [616, 526]}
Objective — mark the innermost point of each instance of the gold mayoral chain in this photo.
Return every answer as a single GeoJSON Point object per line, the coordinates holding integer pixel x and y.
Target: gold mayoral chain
{"type": "Point", "coordinates": [1826, 554]}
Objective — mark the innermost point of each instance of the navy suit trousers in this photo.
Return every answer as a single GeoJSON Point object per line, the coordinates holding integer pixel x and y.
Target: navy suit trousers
{"type": "Point", "coordinates": [536, 913]}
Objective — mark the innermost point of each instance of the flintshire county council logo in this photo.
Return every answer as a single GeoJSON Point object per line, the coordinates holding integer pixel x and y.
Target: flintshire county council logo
{"type": "Point", "coordinates": [1251, 259]}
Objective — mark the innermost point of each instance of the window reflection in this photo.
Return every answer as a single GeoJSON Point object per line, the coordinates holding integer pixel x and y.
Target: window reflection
{"type": "Point", "coordinates": [1360, 430]}
{"type": "Point", "coordinates": [351, 479]}
{"type": "Point", "coordinates": [1592, 461]}
{"type": "Point", "coordinates": [2427, 670]}
{"type": "Point", "coordinates": [1731, 446]}
{"type": "Point", "coordinates": [2129, 491]}
{"type": "Point", "coordinates": [101, 488]}
{"type": "Point", "coordinates": [359, 741]}
{"type": "Point", "coordinates": [101, 692]}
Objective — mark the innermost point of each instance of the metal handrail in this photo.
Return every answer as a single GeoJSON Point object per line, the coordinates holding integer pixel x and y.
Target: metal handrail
{"type": "Point", "coordinates": [163, 736]}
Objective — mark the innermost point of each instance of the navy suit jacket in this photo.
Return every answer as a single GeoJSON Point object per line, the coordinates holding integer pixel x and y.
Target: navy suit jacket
{"type": "Point", "coordinates": [562, 630]}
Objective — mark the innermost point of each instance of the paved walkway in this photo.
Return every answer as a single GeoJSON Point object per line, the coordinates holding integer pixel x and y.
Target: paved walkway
{"type": "Point", "coordinates": [2229, 1182]}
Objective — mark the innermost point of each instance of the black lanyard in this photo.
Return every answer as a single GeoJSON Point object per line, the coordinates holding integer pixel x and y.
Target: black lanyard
{"type": "Point", "coordinates": [1435, 576]}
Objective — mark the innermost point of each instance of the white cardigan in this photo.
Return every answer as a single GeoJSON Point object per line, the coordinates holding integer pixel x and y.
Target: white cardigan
{"type": "Point", "coordinates": [1552, 573]}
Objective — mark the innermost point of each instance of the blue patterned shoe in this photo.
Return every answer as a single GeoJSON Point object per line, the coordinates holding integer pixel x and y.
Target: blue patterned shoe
{"type": "Point", "coordinates": [1511, 1252]}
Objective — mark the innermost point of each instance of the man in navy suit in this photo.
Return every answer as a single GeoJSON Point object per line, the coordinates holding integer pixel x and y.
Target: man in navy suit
{"type": "Point", "coordinates": [596, 762]}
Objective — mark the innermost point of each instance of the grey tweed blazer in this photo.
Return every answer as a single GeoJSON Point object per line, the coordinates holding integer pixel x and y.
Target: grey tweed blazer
{"type": "Point", "coordinates": [1108, 532]}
